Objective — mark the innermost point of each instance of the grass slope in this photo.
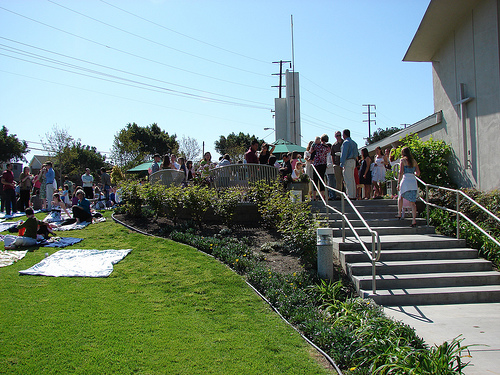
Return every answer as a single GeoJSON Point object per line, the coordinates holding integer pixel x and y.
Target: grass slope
{"type": "Point", "coordinates": [165, 309]}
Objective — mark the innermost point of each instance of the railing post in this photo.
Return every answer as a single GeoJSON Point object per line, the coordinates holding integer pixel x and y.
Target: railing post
{"type": "Point", "coordinates": [325, 253]}
{"type": "Point", "coordinates": [427, 200]}
{"type": "Point", "coordinates": [343, 217]}
{"type": "Point", "coordinates": [374, 277]}
{"type": "Point", "coordinates": [458, 216]}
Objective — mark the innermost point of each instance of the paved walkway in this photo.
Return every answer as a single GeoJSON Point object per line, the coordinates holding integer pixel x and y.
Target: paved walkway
{"type": "Point", "coordinates": [478, 324]}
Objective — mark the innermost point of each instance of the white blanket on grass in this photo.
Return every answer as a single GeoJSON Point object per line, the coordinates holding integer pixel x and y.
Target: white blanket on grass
{"type": "Point", "coordinates": [10, 257]}
{"type": "Point", "coordinates": [78, 263]}
{"type": "Point", "coordinates": [8, 225]}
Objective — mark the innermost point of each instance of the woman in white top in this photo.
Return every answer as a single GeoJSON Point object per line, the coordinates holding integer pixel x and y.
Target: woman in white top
{"type": "Point", "coordinates": [297, 171]}
{"type": "Point", "coordinates": [378, 172]}
{"type": "Point", "coordinates": [309, 170]}
{"type": "Point", "coordinates": [55, 213]}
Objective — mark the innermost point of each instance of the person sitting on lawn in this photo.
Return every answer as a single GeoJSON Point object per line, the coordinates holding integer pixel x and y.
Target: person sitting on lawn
{"type": "Point", "coordinates": [81, 211]}
{"type": "Point", "coordinates": [57, 206]}
{"type": "Point", "coordinates": [30, 231]}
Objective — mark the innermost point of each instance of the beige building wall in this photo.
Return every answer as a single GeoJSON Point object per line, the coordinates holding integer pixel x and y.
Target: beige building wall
{"type": "Point", "coordinates": [466, 66]}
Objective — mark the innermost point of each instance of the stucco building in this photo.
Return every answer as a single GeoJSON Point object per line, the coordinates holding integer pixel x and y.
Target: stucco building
{"type": "Point", "coordinates": [461, 38]}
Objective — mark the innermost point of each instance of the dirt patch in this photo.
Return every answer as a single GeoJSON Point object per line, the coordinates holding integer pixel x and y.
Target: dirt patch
{"type": "Point", "coordinates": [256, 236]}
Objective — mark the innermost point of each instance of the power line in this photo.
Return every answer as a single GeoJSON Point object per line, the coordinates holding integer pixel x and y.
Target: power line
{"type": "Point", "coordinates": [108, 67]}
{"type": "Point", "coordinates": [329, 102]}
{"type": "Point", "coordinates": [185, 35]}
{"type": "Point", "coordinates": [331, 93]}
{"type": "Point", "coordinates": [132, 100]}
{"type": "Point", "coordinates": [144, 86]}
{"type": "Point", "coordinates": [155, 42]}
{"type": "Point", "coordinates": [326, 110]}
{"type": "Point", "coordinates": [131, 54]}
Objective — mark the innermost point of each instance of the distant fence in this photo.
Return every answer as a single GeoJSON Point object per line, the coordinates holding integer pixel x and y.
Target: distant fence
{"type": "Point", "coordinates": [242, 175]}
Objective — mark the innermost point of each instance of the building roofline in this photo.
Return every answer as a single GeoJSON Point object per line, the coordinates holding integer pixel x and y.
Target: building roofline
{"type": "Point", "coordinates": [417, 127]}
{"type": "Point", "coordinates": [439, 21]}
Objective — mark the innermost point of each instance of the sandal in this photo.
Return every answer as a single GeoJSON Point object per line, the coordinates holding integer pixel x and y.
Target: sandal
{"type": "Point", "coordinates": [413, 225]}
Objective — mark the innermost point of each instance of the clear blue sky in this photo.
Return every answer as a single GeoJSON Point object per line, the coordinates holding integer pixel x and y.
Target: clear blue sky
{"type": "Point", "coordinates": [204, 68]}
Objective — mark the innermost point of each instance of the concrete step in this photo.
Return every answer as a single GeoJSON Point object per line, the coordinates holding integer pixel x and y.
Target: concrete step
{"type": "Point", "coordinates": [435, 296]}
{"type": "Point", "coordinates": [366, 215]}
{"type": "Point", "coordinates": [378, 222]}
{"type": "Point", "coordinates": [358, 203]}
{"type": "Point", "coordinates": [388, 230]}
{"type": "Point", "coordinates": [428, 280]}
{"type": "Point", "coordinates": [420, 266]}
{"type": "Point", "coordinates": [403, 242]}
{"type": "Point", "coordinates": [409, 255]}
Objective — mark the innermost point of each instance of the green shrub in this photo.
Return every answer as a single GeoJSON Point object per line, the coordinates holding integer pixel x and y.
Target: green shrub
{"type": "Point", "coordinates": [225, 204]}
{"type": "Point", "coordinates": [446, 224]}
{"type": "Point", "coordinates": [173, 201]}
{"type": "Point", "coordinates": [198, 200]}
{"type": "Point", "coordinates": [133, 198]}
{"type": "Point", "coordinates": [432, 156]}
{"type": "Point", "coordinates": [154, 196]}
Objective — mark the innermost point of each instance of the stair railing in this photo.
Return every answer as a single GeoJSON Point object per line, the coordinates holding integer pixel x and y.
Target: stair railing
{"type": "Point", "coordinates": [457, 212]}
{"type": "Point", "coordinates": [376, 251]}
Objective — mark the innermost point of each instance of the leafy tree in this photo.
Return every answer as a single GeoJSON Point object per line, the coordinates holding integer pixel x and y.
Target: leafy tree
{"type": "Point", "coordinates": [432, 157]}
{"type": "Point", "coordinates": [11, 147]}
{"type": "Point", "coordinates": [135, 144]}
{"type": "Point", "coordinates": [70, 157]}
{"type": "Point", "coordinates": [81, 157]}
{"type": "Point", "coordinates": [235, 145]}
{"type": "Point", "coordinates": [380, 134]}
{"type": "Point", "coordinates": [58, 144]}
{"type": "Point", "coordinates": [189, 148]}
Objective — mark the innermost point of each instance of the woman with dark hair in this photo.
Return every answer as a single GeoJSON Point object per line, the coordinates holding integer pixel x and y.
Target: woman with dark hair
{"type": "Point", "coordinates": [365, 175]}
{"type": "Point", "coordinates": [378, 172]}
{"type": "Point", "coordinates": [407, 183]}
{"type": "Point", "coordinates": [166, 163]}
{"type": "Point", "coordinates": [321, 150]}
{"type": "Point", "coordinates": [265, 153]}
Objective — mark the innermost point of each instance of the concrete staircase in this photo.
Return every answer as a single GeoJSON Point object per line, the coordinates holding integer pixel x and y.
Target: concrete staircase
{"type": "Point", "coordinates": [417, 266]}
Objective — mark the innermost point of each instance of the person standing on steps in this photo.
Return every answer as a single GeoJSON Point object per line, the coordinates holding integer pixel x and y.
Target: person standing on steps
{"type": "Point", "coordinates": [337, 169]}
{"type": "Point", "coordinates": [407, 183]}
{"type": "Point", "coordinates": [348, 155]}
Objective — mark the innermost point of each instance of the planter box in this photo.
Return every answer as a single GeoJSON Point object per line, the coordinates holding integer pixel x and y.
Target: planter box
{"type": "Point", "coordinates": [301, 186]}
{"type": "Point", "coordinates": [392, 187]}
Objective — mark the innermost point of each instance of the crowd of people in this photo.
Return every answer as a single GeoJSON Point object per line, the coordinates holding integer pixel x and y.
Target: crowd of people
{"type": "Point", "coordinates": [41, 190]}
{"type": "Point", "coordinates": [338, 165]}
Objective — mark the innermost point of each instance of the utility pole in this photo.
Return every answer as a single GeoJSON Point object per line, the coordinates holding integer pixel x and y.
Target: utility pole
{"type": "Point", "coordinates": [370, 114]}
{"type": "Point", "coordinates": [281, 62]}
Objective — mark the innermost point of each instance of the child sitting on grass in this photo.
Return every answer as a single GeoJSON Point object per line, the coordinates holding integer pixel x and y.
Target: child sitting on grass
{"type": "Point", "coordinates": [30, 232]}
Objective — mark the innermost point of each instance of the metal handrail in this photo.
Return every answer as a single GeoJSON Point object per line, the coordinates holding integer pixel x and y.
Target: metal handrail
{"type": "Point", "coordinates": [457, 211]}
{"type": "Point", "coordinates": [376, 245]}
{"type": "Point", "coordinates": [242, 175]}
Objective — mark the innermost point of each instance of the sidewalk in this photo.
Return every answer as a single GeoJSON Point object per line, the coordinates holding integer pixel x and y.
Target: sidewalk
{"type": "Point", "coordinates": [478, 324]}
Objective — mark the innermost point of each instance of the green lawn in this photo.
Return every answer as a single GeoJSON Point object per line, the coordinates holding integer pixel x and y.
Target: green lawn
{"type": "Point", "coordinates": [165, 309]}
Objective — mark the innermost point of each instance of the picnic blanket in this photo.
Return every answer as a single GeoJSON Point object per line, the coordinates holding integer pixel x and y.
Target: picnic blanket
{"type": "Point", "coordinates": [51, 242]}
{"type": "Point", "coordinates": [9, 257]}
{"type": "Point", "coordinates": [59, 241]}
{"type": "Point", "coordinates": [8, 225]}
{"type": "Point", "coordinates": [16, 214]}
{"type": "Point", "coordinates": [75, 226]}
{"type": "Point", "coordinates": [78, 263]}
